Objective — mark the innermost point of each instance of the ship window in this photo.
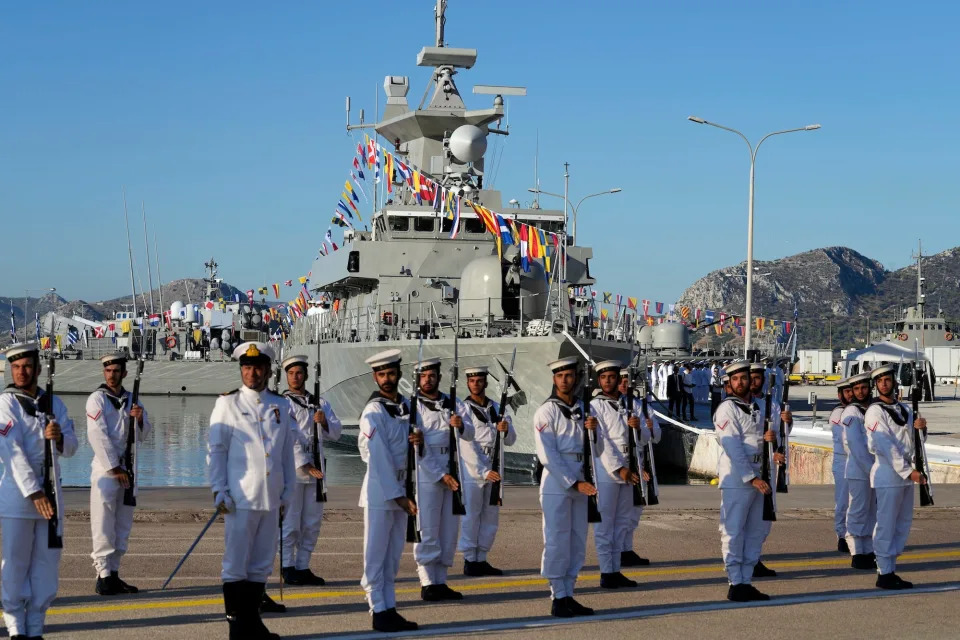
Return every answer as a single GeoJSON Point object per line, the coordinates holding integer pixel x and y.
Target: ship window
{"type": "Point", "coordinates": [910, 326]}
{"type": "Point", "coordinates": [474, 225]}
{"type": "Point", "coordinates": [939, 326]}
{"type": "Point", "coordinates": [422, 224]}
{"type": "Point", "coordinates": [446, 224]}
{"type": "Point", "coordinates": [399, 223]}
{"type": "Point", "coordinates": [353, 262]}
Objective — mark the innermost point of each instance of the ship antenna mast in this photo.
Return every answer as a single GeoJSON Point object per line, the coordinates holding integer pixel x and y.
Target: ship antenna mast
{"type": "Point", "coordinates": [441, 20]}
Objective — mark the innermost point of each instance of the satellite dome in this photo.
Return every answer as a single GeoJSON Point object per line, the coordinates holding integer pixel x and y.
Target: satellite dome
{"type": "Point", "coordinates": [468, 143]}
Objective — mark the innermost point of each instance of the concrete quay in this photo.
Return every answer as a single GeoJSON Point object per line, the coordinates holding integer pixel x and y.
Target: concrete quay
{"type": "Point", "coordinates": [681, 594]}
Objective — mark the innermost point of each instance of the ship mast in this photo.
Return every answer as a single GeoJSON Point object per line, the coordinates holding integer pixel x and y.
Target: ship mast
{"type": "Point", "coordinates": [920, 294]}
{"type": "Point", "coordinates": [441, 20]}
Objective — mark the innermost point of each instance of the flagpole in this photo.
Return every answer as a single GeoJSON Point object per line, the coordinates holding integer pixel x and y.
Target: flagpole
{"type": "Point", "coordinates": [133, 285]}
{"type": "Point", "coordinates": [146, 245]}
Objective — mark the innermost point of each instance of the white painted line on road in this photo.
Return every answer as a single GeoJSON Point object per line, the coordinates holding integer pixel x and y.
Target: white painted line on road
{"type": "Point", "coordinates": [636, 614]}
{"type": "Point", "coordinates": [658, 525]}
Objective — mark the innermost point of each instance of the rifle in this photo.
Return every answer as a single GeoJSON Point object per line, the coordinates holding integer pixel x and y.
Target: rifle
{"type": "Point", "coordinates": [920, 453]}
{"type": "Point", "coordinates": [496, 492]}
{"type": "Point", "coordinates": [51, 475]}
{"type": "Point", "coordinates": [453, 449]}
{"type": "Point", "coordinates": [632, 452]}
{"type": "Point", "coordinates": [412, 484]}
{"type": "Point", "coordinates": [130, 457]}
{"type": "Point", "coordinates": [317, 458]}
{"type": "Point", "coordinates": [593, 507]}
{"type": "Point", "coordinates": [649, 464]}
{"type": "Point", "coordinates": [769, 502]}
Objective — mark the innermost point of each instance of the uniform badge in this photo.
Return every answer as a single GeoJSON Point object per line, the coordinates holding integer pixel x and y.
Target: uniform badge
{"type": "Point", "coordinates": [96, 416]}
{"type": "Point", "coordinates": [541, 428]}
{"type": "Point", "coordinates": [723, 426]}
{"type": "Point", "coordinates": [369, 437]}
{"type": "Point", "coordinates": [875, 425]}
{"type": "Point", "coordinates": [5, 430]}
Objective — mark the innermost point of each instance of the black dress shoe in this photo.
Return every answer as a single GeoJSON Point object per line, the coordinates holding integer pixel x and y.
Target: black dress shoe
{"type": "Point", "coordinates": [472, 569]}
{"type": "Point", "coordinates": [309, 578]}
{"type": "Point", "coordinates": [267, 605]}
{"type": "Point", "coordinates": [105, 587]}
{"type": "Point", "coordinates": [842, 545]}
{"type": "Point", "coordinates": [447, 593]}
{"type": "Point", "coordinates": [892, 581]}
{"type": "Point", "coordinates": [402, 623]}
{"type": "Point", "coordinates": [863, 562]}
{"type": "Point", "coordinates": [383, 621]}
{"type": "Point", "coordinates": [439, 593]}
{"type": "Point", "coordinates": [578, 609]}
{"type": "Point", "coordinates": [631, 559]}
{"type": "Point", "coordinates": [560, 609]}
{"type": "Point", "coordinates": [736, 593]}
{"type": "Point", "coordinates": [121, 585]}
{"type": "Point", "coordinates": [489, 570]}
{"type": "Point", "coordinates": [753, 594]}
{"type": "Point", "coordinates": [625, 581]}
{"type": "Point", "coordinates": [761, 570]}
{"type": "Point", "coordinates": [291, 576]}
{"type": "Point", "coordinates": [609, 581]}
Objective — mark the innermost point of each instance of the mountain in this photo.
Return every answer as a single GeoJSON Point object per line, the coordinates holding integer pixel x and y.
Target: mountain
{"type": "Point", "coordinates": [837, 291]}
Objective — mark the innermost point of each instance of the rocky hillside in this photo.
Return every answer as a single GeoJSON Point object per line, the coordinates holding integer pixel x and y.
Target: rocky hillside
{"type": "Point", "coordinates": [837, 290]}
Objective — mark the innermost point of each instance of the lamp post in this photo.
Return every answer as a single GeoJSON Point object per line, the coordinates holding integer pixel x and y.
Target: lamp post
{"type": "Point", "coordinates": [575, 208]}
{"type": "Point", "coordinates": [26, 308]}
{"type": "Point", "coordinates": [753, 159]}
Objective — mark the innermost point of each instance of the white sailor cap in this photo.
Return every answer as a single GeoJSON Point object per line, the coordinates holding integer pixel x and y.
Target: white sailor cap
{"type": "Point", "coordinates": [843, 384]}
{"type": "Point", "coordinates": [608, 365]}
{"type": "Point", "coordinates": [883, 370]}
{"type": "Point", "coordinates": [860, 377]}
{"type": "Point", "coordinates": [114, 358]}
{"type": "Point", "coordinates": [475, 371]}
{"type": "Point", "coordinates": [303, 361]}
{"type": "Point", "coordinates": [757, 367]}
{"type": "Point", "coordinates": [22, 350]}
{"type": "Point", "coordinates": [384, 360]}
{"type": "Point", "coordinates": [737, 366]}
{"type": "Point", "coordinates": [427, 365]}
{"type": "Point", "coordinates": [253, 352]}
{"type": "Point", "coordinates": [724, 379]}
{"type": "Point", "coordinates": [625, 373]}
{"type": "Point", "coordinates": [562, 364]}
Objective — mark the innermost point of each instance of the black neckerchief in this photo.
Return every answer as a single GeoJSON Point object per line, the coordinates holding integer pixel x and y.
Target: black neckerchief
{"type": "Point", "coordinates": [574, 411]}
{"type": "Point", "coordinates": [117, 402]}
{"type": "Point", "coordinates": [397, 409]}
{"type": "Point", "coordinates": [27, 403]}
{"type": "Point", "coordinates": [862, 408]}
{"type": "Point", "coordinates": [613, 403]}
{"type": "Point", "coordinates": [483, 412]}
{"type": "Point", "coordinates": [442, 402]}
{"type": "Point", "coordinates": [746, 407]}
{"type": "Point", "coordinates": [898, 415]}
{"type": "Point", "coordinates": [305, 401]}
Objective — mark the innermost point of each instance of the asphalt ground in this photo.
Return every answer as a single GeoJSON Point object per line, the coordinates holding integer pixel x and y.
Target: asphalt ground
{"type": "Point", "coordinates": [681, 594]}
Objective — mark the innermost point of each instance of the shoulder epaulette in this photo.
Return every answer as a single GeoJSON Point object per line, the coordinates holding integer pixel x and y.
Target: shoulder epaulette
{"type": "Point", "coordinates": [230, 393]}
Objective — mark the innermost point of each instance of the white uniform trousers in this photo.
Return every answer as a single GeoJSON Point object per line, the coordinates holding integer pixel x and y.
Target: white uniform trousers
{"type": "Point", "coordinates": [479, 526]}
{"type": "Point", "coordinates": [564, 541]}
{"type": "Point", "coordinates": [301, 526]}
{"type": "Point", "coordinates": [438, 533]}
{"type": "Point", "coordinates": [30, 572]}
{"type": "Point", "coordinates": [894, 517]}
{"type": "Point", "coordinates": [110, 524]}
{"type": "Point", "coordinates": [742, 531]}
{"type": "Point", "coordinates": [841, 495]}
{"type": "Point", "coordinates": [616, 503]}
{"type": "Point", "coordinates": [861, 516]}
{"type": "Point", "coordinates": [250, 544]}
{"type": "Point", "coordinates": [384, 534]}
{"type": "Point", "coordinates": [626, 542]}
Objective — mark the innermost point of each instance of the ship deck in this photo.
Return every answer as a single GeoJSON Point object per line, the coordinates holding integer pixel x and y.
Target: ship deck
{"type": "Point", "coordinates": [681, 594]}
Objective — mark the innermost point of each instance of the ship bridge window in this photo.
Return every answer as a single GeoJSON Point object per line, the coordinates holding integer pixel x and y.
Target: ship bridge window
{"type": "Point", "coordinates": [939, 326]}
{"type": "Point", "coordinates": [423, 224]}
{"type": "Point", "coordinates": [399, 223]}
{"type": "Point", "coordinates": [474, 225]}
{"type": "Point", "coordinates": [353, 262]}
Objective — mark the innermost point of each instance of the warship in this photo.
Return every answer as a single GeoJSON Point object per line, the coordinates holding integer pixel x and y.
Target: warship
{"type": "Point", "coordinates": [405, 279]}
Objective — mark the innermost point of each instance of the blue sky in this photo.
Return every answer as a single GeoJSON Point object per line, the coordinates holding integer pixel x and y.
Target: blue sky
{"type": "Point", "coordinates": [227, 120]}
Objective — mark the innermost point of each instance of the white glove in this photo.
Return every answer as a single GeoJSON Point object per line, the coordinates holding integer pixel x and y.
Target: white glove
{"type": "Point", "coordinates": [223, 501]}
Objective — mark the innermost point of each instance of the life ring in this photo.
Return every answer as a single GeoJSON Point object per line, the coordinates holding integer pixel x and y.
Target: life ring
{"type": "Point", "coordinates": [170, 341]}
{"type": "Point", "coordinates": [902, 337]}
{"type": "Point", "coordinates": [948, 336]}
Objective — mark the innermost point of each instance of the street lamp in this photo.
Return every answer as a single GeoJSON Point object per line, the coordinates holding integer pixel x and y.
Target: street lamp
{"type": "Point", "coordinates": [753, 159]}
{"type": "Point", "coordinates": [575, 208]}
{"type": "Point", "coordinates": [26, 307]}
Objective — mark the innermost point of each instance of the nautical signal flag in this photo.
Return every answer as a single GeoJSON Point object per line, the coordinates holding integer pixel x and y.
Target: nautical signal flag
{"type": "Point", "coordinates": [276, 290]}
{"type": "Point", "coordinates": [759, 324]}
{"type": "Point", "coordinates": [659, 307]}
{"type": "Point", "coordinates": [302, 279]}
{"type": "Point", "coordinates": [100, 331]}
{"type": "Point", "coordinates": [262, 291]}
{"type": "Point", "coordinates": [646, 307]}
{"type": "Point", "coordinates": [632, 303]}
{"type": "Point", "coordinates": [289, 283]}
{"type": "Point", "coordinates": [250, 295]}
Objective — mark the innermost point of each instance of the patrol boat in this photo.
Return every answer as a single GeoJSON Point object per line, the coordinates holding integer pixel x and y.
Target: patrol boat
{"type": "Point", "coordinates": [405, 279]}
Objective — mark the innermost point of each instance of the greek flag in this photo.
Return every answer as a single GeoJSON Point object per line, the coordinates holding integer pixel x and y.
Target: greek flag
{"type": "Point", "coordinates": [37, 319]}
{"type": "Point", "coordinates": [13, 325]}
{"type": "Point", "coordinates": [73, 335]}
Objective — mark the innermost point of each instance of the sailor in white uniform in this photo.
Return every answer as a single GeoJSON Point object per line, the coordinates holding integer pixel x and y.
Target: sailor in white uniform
{"type": "Point", "coordinates": [891, 439]}
{"type": "Point", "coordinates": [439, 528]}
{"type": "Point", "coordinates": [30, 570]}
{"type": "Point", "coordinates": [301, 522]}
{"type": "Point", "coordinates": [649, 431]}
{"type": "Point", "coordinates": [109, 412]}
{"type": "Point", "coordinates": [742, 529]}
{"type": "Point", "coordinates": [384, 438]}
{"type": "Point", "coordinates": [716, 388]}
{"type": "Point", "coordinates": [615, 480]}
{"type": "Point", "coordinates": [862, 507]}
{"type": "Point", "coordinates": [558, 436]}
{"type": "Point", "coordinates": [252, 476]}
{"type": "Point", "coordinates": [479, 526]}
{"type": "Point", "coordinates": [662, 372]}
{"type": "Point", "coordinates": [841, 495]}
{"type": "Point", "coordinates": [654, 380]}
